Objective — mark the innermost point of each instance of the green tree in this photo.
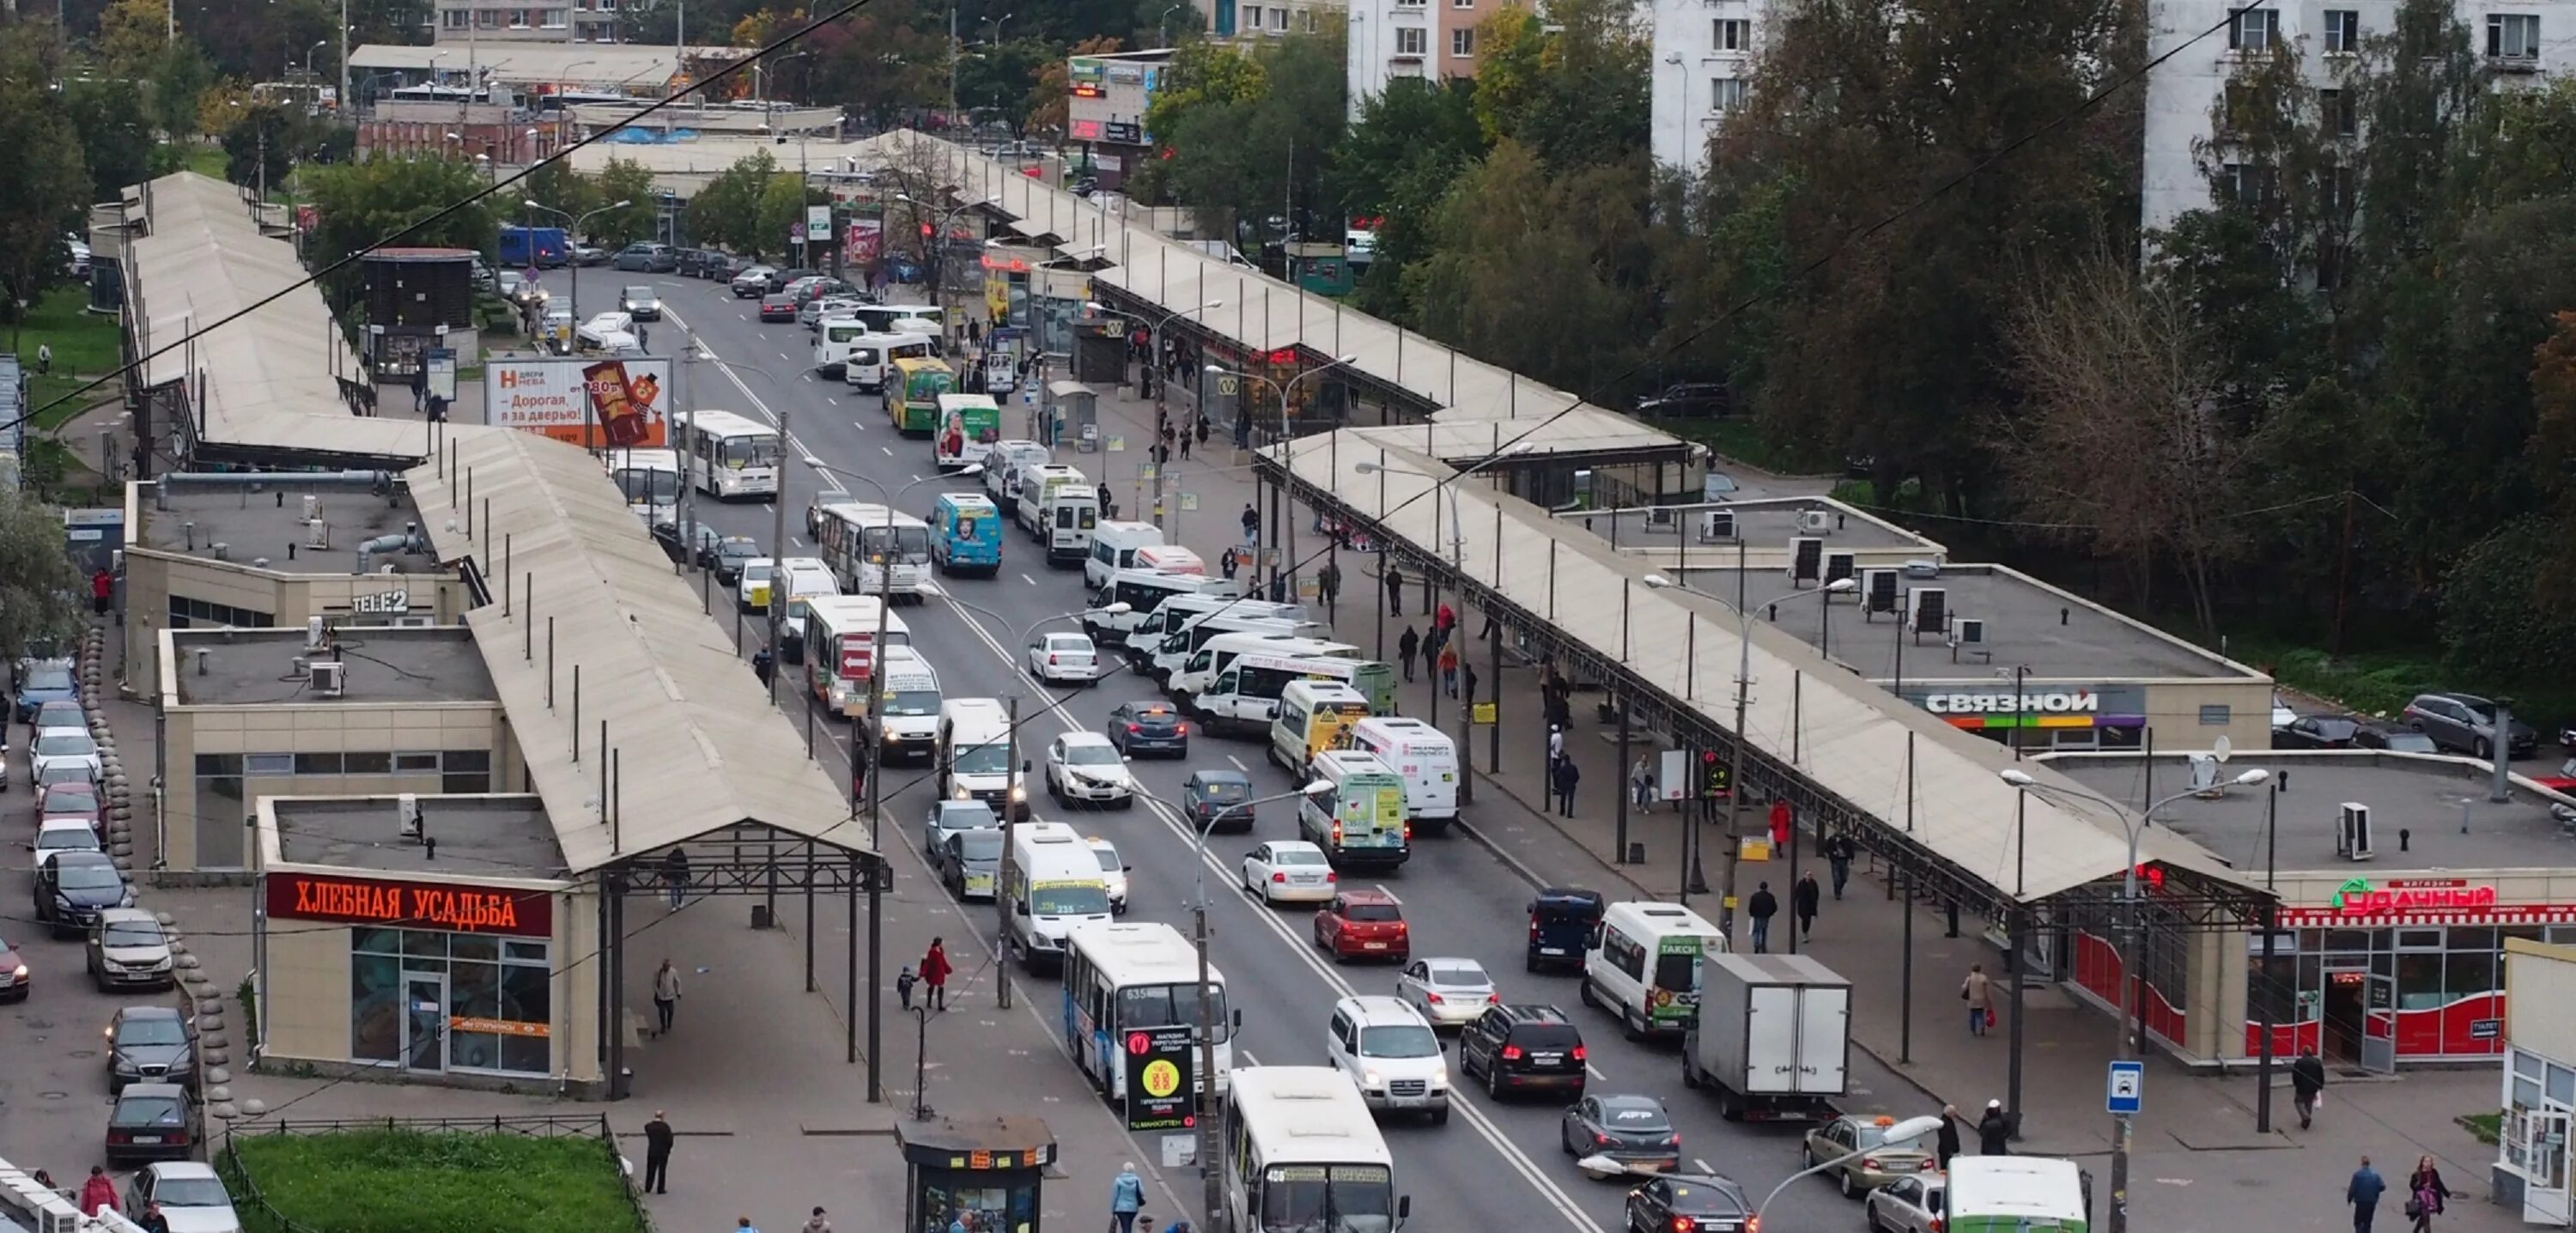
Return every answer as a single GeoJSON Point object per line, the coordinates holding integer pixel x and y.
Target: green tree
{"type": "Point", "coordinates": [115, 132]}
{"type": "Point", "coordinates": [382, 200]}
{"type": "Point", "coordinates": [996, 82]}
{"type": "Point", "coordinates": [260, 146]}
{"type": "Point", "coordinates": [781, 207]}
{"type": "Point", "coordinates": [727, 210]}
{"type": "Point", "coordinates": [567, 195]}
{"type": "Point", "coordinates": [38, 584]}
{"type": "Point", "coordinates": [1575, 89]}
{"type": "Point", "coordinates": [624, 179]}
{"type": "Point", "coordinates": [47, 184]}
{"type": "Point", "coordinates": [1249, 139]}
{"type": "Point", "coordinates": [181, 80]}
{"type": "Point", "coordinates": [1396, 165]}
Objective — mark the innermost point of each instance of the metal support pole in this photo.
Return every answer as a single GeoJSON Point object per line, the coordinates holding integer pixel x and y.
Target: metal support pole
{"type": "Point", "coordinates": [1905, 996]}
{"type": "Point", "coordinates": [876, 976]}
{"type": "Point", "coordinates": [1211, 1175]}
{"type": "Point", "coordinates": [2017, 937]}
{"type": "Point", "coordinates": [850, 1023]}
{"type": "Point", "coordinates": [777, 567]}
{"type": "Point", "coordinates": [809, 915]}
{"type": "Point", "coordinates": [1494, 734]}
{"type": "Point", "coordinates": [876, 710]}
{"type": "Point", "coordinates": [2122, 1127]}
{"type": "Point", "coordinates": [1619, 844]}
{"type": "Point", "coordinates": [1010, 870]}
{"type": "Point", "coordinates": [616, 943]}
{"type": "Point", "coordinates": [2271, 928]}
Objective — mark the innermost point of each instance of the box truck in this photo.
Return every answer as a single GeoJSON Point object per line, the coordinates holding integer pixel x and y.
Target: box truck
{"type": "Point", "coordinates": [1773, 1038]}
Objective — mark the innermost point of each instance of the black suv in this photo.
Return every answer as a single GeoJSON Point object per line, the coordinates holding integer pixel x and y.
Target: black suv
{"type": "Point", "coordinates": [1516, 1048]}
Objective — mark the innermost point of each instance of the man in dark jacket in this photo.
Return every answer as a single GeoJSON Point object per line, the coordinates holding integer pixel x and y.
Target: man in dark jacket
{"type": "Point", "coordinates": [1839, 851]}
{"type": "Point", "coordinates": [1567, 776]}
{"type": "Point", "coordinates": [1394, 590]}
{"type": "Point", "coordinates": [1994, 1131]}
{"type": "Point", "coordinates": [1804, 898]}
{"type": "Point", "coordinates": [2363, 1193]}
{"type": "Point", "coordinates": [1761, 908]}
{"type": "Point", "coordinates": [657, 1154]}
{"type": "Point", "coordinates": [2307, 1083]}
{"type": "Point", "coordinates": [1947, 1143]}
{"type": "Point", "coordinates": [1405, 648]}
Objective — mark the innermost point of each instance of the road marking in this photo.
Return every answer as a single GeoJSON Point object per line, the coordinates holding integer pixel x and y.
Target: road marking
{"type": "Point", "coordinates": [744, 316]}
{"type": "Point", "coordinates": [834, 401]}
{"type": "Point", "coordinates": [795, 541]}
{"type": "Point", "coordinates": [1238, 764]}
{"type": "Point", "coordinates": [1250, 1060]}
{"type": "Point", "coordinates": [1380, 887]}
{"type": "Point", "coordinates": [889, 450]}
{"type": "Point", "coordinates": [782, 355]}
{"type": "Point", "coordinates": [1031, 581]}
{"type": "Point", "coordinates": [831, 483]}
{"type": "Point", "coordinates": [1701, 1165]}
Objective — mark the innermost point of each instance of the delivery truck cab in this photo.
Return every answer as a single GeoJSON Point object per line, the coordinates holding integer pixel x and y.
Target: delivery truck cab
{"type": "Point", "coordinates": [1644, 968]}
{"type": "Point", "coordinates": [1773, 1037]}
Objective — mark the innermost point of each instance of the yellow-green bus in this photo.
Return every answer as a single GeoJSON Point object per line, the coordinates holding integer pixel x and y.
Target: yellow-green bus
{"type": "Point", "coordinates": [912, 390]}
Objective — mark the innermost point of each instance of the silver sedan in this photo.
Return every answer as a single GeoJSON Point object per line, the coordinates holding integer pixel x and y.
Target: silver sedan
{"type": "Point", "coordinates": [1449, 992]}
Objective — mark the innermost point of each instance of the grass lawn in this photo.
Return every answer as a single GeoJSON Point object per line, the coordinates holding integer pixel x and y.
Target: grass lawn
{"type": "Point", "coordinates": [2382, 682]}
{"type": "Point", "coordinates": [84, 343]}
{"type": "Point", "coordinates": [2488, 1127]}
{"type": "Point", "coordinates": [403, 1181]}
{"type": "Point", "coordinates": [205, 160]}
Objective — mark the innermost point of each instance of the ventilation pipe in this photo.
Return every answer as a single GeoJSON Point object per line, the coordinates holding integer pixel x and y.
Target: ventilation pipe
{"type": "Point", "coordinates": [256, 480]}
{"type": "Point", "coordinates": [406, 542]}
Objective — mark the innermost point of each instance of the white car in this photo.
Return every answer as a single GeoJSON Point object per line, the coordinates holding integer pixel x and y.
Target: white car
{"type": "Point", "coordinates": [192, 1198]}
{"type": "Point", "coordinates": [63, 835]}
{"type": "Point", "coordinates": [641, 303]}
{"type": "Point", "coordinates": [1289, 871]}
{"type": "Point", "coordinates": [2282, 715]}
{"type": "Point", "coordinates": [1906, 1205]}
{"type": "Point", "coordinates": [1057, 658]}
{"type": "Point", "coordinates": [1085, 767]}
{"type": "Point", "coordinates": [1448, 992]}
{"type": "Point", "coordinates": [128, 950]}
{"type": "Point", "coordinates": [62, 747]}
{"type": "Point", "coordinates": [1390, 1054]}
{"type": "Point", "coordinates": [1113, 872]}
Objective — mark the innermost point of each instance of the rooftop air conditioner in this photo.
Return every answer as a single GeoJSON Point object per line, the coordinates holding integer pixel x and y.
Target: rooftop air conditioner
{"type": "Point", "coordinates": [1971, 631]}
{"type": "Point", "coordinates": [1806, 560]}
{"type": "Point", "coordinates": [1840, 565]}
{"type": "Point", "coordinates": [330, 678]}
{"type": "Point", "coordinates": [1814, 522]}
{"type": "Point", "coordinates": [315, 633]}
{"type": "Point", "coordinates": [1922, 567]}
{"type": "Point", "coordinates": [1660, 517]}
{"type": "Point", "coordinates": [317, 533]}
{"type": "Point", "coordinates": [1877, 591]}
{"type": "Point", "coordinates": [2352, 832]}
{"type": "Point", "coordinates": [1717, 524]}
{"type": "Point", "coordinates": [407, 814]}
{"type": "Point", "coordinates": [1927, 610]}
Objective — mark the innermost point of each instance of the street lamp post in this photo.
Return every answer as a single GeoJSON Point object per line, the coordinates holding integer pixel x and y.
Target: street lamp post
{"type": "Point", "coordinates": [2133, 825]}
{"type": "Point", "coordinates": [1457, 565]}
{"type": "Point", "coordinates": [939, 249]}
{"type": "Point", "coordinates": [572, 228]}
{"type": "Point", "coordinates": [1289, 507]}
{"type": "Point", "coordinates": [1153, 349]}
{"type": "Point", "coordinates": [1695, 878]}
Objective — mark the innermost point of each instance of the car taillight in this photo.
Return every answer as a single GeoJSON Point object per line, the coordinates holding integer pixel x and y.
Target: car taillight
{"type": "Point", "coordinates": [1753, 1224]}
{"type": "Point", "coordinates": [1133, 729]}
{"type": "Point", "coordinates": [1533, 929]}
{"type": "Point", "coordinates": [1577, 1053]}
{"type": "Point", "coordinates": [1674, 1141]}
{"type": "Point", "coordinates": [1938, 1224]}
{"type": "Point", "coordinates": [1928, 1166]}
{"type": "Point", "coordinates": [1511, 1053]}
{"type": "Point", "coordinates": [1331, 877]}
{"type": "Point", "coordinates": [1279, 877]}
{"type": "Point", "coordinates": [1400, 927]}
{"type": "Point", "coordinates": [1408, 832]}
{"type": "Point", "coordinates": [1180, 729]}
{"type": "Point", "coordinates": [1599, 1139]}
{"type": "Point", "coordinates": [1432, 998]}
{"type": "Point", "coordinates": [120, 1136]}
{"type": "Point", "coordinates": [1337, 832]}
{"type": "Point", "coordinates": [1050, 659]}
{"type": "Point", "coordinates": [1684, 1224]}
{"type": "Point", "coordinates": [1493, 999]}
{"type": "Point", "coordinates": [1869, 1164]}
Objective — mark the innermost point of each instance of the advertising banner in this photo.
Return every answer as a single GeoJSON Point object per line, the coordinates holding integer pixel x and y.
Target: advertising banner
{"type": "Point", "coordinates": [585, 400]}
{"type": "Point", "coordinates": [1162, 1078]}
{"type": "Point", "coordinates": [865, 241]}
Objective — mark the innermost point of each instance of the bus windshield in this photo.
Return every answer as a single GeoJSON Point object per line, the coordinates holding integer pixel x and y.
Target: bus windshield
{"type": "Point", "coordinates": [641, 484]}
{"type": "Point", "coordinates": [1347, 710]}
{"type": "Point", "coordinates": [909, 543]}
{"type": "Point", "coordinates": [912, 702]}
{"type": "Point", "coordinates": [1144, 1006]}
{"type": "Point", "coordinates": [1068, 899]}
{"type": "Point", "coordinates": [983, 760]}
{"type": "Point", "coordinates": [751, 451]}
{"type": "Point", "coordinates": [1258, 682]}
{"type": "Point", "coordinates": [1318, 1199]}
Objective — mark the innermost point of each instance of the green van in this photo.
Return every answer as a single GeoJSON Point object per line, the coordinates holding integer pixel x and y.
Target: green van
{"type": "Point", "coordinates": [2015, 1194]}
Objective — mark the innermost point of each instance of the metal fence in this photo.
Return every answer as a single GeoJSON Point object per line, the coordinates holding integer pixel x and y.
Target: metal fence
{"type": "Point", "coordinates": [246, 1191]}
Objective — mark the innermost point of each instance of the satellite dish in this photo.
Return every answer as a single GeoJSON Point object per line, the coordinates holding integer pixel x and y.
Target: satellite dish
{"type": "Point", "coordinates": [2220, 748]}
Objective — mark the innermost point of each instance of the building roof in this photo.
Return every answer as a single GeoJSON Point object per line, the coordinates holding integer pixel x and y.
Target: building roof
{"type": "Point", "coordinates": [1854, 741]}
{"type": "Point", "coordinates": [381, 665]}
{"type": "Point", "coordinates": [263, 525]}
{"type": "Point", "coordinates": [1765, 525]}
{"type": "Point", "coordinates": [710, 750]}
{"type": "Point", "coordinates": [480, 836]}
{"type": "Point", "coordinates": [1454, 436]}
{"type": "Point", "coordinates": [2440, 802]}
{"type": "Point", "coordinates": [2056, 634]}
{"type": "Point", "coordinates": [537, 63]}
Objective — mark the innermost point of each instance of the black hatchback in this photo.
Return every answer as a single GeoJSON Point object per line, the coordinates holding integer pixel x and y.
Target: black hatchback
{"type": "Point", "coordinates": [1218, 800]}
{"type": "Point", "coordinates": [74, 887]}
{"type": "Point", "coordinates": [1688, 1203]}
{"type": "Point", "coordinates": [1145, 727]}
{"type": "Point", "coordinates": [1520, 1048]}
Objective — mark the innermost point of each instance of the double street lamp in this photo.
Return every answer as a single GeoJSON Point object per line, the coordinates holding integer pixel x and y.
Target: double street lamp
{"type": "Point", "coordinates": [2134, 823]}
{"type": "Point", "coordinates": [1153, 356]}
{"type": "Point", "coordinates": [1243, 429]}
{"type": "Point", "coordinates": [572, 227]}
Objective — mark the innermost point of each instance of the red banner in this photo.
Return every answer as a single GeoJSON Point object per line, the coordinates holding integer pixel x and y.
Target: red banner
{"type": "Point", "coordinates": [411, 905]}
{"type": "Point", "coordinates": [858, 656]}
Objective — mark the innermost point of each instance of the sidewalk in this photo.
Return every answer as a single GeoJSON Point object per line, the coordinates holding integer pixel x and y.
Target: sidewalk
{"type": "Point", "coordinates": [2198, 1164]}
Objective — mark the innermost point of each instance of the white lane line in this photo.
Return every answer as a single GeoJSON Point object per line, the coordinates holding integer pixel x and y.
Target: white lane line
{"type": "Point", "coordinates": [916, 479]}
{"type": "Point", "coordinates": [1238, 764]}
{"type": "Point", "coordinates": [1701, 1165]}
{"type": "Point", "coordinates": [744, 316]}
{"type": "Point", "coordinates": [834, 401]}
{"type": "Point", "coordinates": [782, 355]}
{"type": "Point", "coordinates": [1381, 889]}
{"type": "Point", "coordinates": [1031, 581]}
{"type": "Point", "coordinates": [1477, 1120]}
{"type": "Point", "coordinates": [1250, 1060]}
{"type": "Point", "coordinates": [795, 541]}
{"type": "Point", "coordinates": [831, 483]}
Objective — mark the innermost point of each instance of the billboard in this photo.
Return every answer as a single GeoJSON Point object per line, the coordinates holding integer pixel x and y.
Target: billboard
{"type": "Point", "coordinates": [865, 241]}
{"type": "Point", "coordinates": [584, 399]}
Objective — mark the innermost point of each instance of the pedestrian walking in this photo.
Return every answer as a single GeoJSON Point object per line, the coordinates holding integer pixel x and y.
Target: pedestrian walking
{"type": "Point", "coordinates": [1202, 433]}
{"type": "Point", "coordinates": [1712, 785]}
{"type": "Point", "coordinates": [817, 1223]}
{"type": "Point", "coordinates": [1231, 562]}
{"type": "Point", "coordinates": [1394, 591]}
{"type": "Point", "coordinates": [1761, 908]}
{"type": "Point", "coordinates": [1444, 620]}
{"type": "Point", "coordinates": [1804, 898]}
{"type": "Point", "coordinates": [1994, 1131]}
{"type": "Point", "coordinates": [1449, 670]}
{"type": "Point", "coordinates": [903, 983]}
{"type": "Point", "coordinates": [666, 995]}
{"type": "Point", "coordinates": [1126, 1198]}
{"type": "Point", "coordinates": [1555, 744]}
{"type": "Point", "coordinates": [2424, 1194]}
{"type": "Point", "coordinates": [2307, 1086]}
{"type": "Point", "coordinates": [657, 1154]}
{"type": "Point", "coordinates": [1467, 681]}
{"type": "Point", "coordinates": [1251, 526]}
{"type": "Point", "coordinates": [1405, 648]}
{"type": "Point", "coordinates": [1978, 991]}
{"type": "Point", "coordinates": [1567, 776]}
{"type": "Point", "coordinates": [1185, 445]}
{"type": "Point", "coordinates": [675, 875]}
{"type": "Point", "coordinates": [1641, 783]}
{"type": "Point", "coordinates": [2363, 1193]}
{"type": "Point", "coordinates": [742, 1224]}
{"type": "Point", "coordinates": [1779, 826]}
{"type": "Point", "coordinates": [1838, 853]}
{"type": "Point", "coordinates": [102, 589]}
{"type": "Point", "coordinates": [44, 358]}
{"type": "Point", "coordinates": [98, 1194]}
{"type": "Point", "coordinates": [934, 973]}
{"type": "Point", "coordinates": [1328, 580]}
{"type": "Point", "coordinates": [1946, 1143]}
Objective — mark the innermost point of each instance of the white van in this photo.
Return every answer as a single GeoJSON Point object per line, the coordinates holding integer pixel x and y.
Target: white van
{"type": "Point", "coordinates": [908, 715]}
{"type": "Point", "coordinates": [1002, 462]}
{"type": "Point", "coordinates": [1146, 592]}
{"type": "Point", "coordinates": [1052, 884]}
{"type": "Point", "coordinates": [1171, 559]}
{"type": "Point", "coordinates": [799, 579]}
{"type": "Point", "coordinates": [1113, 548]}
{"type": "Point", "coordinates": [1176, 648]}
{"type": "Point", "coordinates": [975, 756]}
{"type": "Point", "coordinates": [1310, 720]}
{"type": "Point", "coordinates": [1422, 754]}
{"type": "Point", "coordinates": [867, 358]}
{"type": "Point", "coordinates": [1032, 482]}
{"type": "Point", "coordinates": [1175, 613]}
{"type": "Point", "coordinates": [1358, 821]}
{"type": "Point", "coordinates": [834, 339]}
{"type": "Point", "coordinates": [1215, 655]}
{"type": "Point", "coordinates": [1644, 966]}
{"type": "Point", "coordinates": [1244, 697]}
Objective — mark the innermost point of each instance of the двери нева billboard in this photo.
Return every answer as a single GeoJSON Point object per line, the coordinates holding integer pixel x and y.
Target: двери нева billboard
{"type": "Point", "coordinates": [587, 400]}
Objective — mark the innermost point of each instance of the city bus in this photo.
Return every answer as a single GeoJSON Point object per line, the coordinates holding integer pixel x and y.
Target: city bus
{"type": "Point", "coordinates": [858, 539]}
{"type": "Point", "coordinates": [842, 651]}
{"type": "Point", "coordinates": [1121, 978]}
{"type": "Point", "coordinates": [912, 390]}
{"type": "Point", "coordinates": [732, 456]}
{"type": "Point", "coordinates": [1302, 1153]}
{"type": "Point", "coordinates": [969, 424]}
{"type": "Point", "coordinates": [651, 481]}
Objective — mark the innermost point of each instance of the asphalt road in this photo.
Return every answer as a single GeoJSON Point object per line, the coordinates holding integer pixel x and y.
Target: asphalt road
{"type": "Point", "coordinates": [1494, 1165]}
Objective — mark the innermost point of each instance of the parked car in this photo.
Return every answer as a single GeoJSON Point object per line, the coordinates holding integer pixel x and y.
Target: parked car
{"type": "Point", "coordinates": [1868, 1159]}
{"type": "Point", "coordinates": [73, 888]}
{"type": "Point", "coordinates": [726, 266]}
{"type": "Point", "coordinates": [63, 747]}
{"type": "Point", "coordinates": [1633, 1130]}
{"type": "Point", "coordinates": [1687, 398]}
{"type": "Point", "coordinates": [15, 980]}
{"type": "Point", "coordinates": [730, 554]}
{"type": "Point", "coordinates": [695, 262]}
{"type": "Point", "coordinates": [1908, 1205]}
{"type": "Point", "coordinates": [587, 254]}
{"type": "Point", "coordinates": [1700, 1203]}
{"type": "Point", "coordinates": [45, 681]}
{"type": "Point", "coordinates": [1363, 924]}
{"type": "Point", "coordinates": [647, 257]}
{"type": "Point", "coordinates": [813, 313]}
{"type": "Point", "coordinates": [2282, 715]}
{"type": "Point", "coordinates": [1148, 726]}
{"type": "Point", "coordinates": [149, 1043]}
{"type": "Point", "coordinates": [128, 950]}
{"type": "Point", "coordinates": [951, 817]}
{"type": "Point", "coordinates": [2466, 723]}
{"type": "Point", "coordinates": [968, 862]}
{"type": "Point", "coordinates": [804, 286]}
{"type": "Point", "coordinates": [58, 713]}
{"type": "Point", "coordinates": [750, 281]}
{"type": "Point", "coordinates": [640, 302]}
{"type": "Point", "coordinates": [2316, 732]}
{"type": "Point", "coordinates": [1515, 1047]}
{"type": "Point", "coordinates": [2394, 740]}
{"type": "Point", "coordinates": [153, 1121]}
{"type": "Point", "coordinates": [667, 534]}
{"type": "Point", "coordinates": [191, 1197]}
{"type": "Point", "coordinates": [778, 306]}
{"type": "Point", "coordinates": [67, 802]}
{"type": "Point", "coordinates": [63, 835]}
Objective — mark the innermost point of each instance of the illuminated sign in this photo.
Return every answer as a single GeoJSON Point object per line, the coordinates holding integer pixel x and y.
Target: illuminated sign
{"type": "Point", "coordinates": [2361, 897]}
{"type": "Point", "coordinates": [371, 901]}
{"type": "Point", "coordinates": [1121, 134]}
{"type": "Point", "coordinates": [2072, 702]}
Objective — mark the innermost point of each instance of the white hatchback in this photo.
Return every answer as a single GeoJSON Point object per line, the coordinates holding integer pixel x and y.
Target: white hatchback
{"type": "Point", "coordinates": [1113, 871]}
{"type": "Point", "coordinates": [1289, 871]}
{"type": "Point", "coordinates": [59, 835]}
{"type": "Point", "coordinates": [1084, 767]}
{"type": "Point", "coordinates": [62, 747]}
{"type": "Point", "coordinates": [1057, 658]}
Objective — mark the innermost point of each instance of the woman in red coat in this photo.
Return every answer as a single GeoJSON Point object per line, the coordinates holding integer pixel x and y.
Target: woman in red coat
{"type": "Point", "coordinates": [934, 975]}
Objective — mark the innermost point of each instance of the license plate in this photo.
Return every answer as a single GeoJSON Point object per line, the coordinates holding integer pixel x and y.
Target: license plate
{"type": "Point", "coordinates": [1551, 950]}
{"type": "Point", "coordinates": [147, 1138]}
{"type": "Point", "coordinates": [1376, 946]}
{"type": "Point", "coordinates": [1547, 1059]}
{"type": "Point", "coordinates": [981, 881]}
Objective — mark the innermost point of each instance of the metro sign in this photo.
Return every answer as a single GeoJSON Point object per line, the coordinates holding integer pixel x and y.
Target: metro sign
{"type": "Point", "coordinates": [2358, 897]}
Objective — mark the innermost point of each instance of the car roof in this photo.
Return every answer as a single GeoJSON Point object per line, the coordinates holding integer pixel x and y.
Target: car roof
{"type": "Point", "coordinates": [1213, 775]}
{"type": "Point", "coordinates": [1380, 1006]}
{"type": "Point", "coordinates": [1370, 894]}
{"type": "Point", "coordinates": [1295, 845]}
{"type": "Point", "coordinates": [185, 1169]}
{"type": "Point", "coordinates": [62, 824]}
{"type": "Point", "coordinates": [1534, 1012]}
{"type": "Point", "coordinates": [126, 915]}
{"type": "Point", "coordinates": [1097, 841]}
{"type": "Point", "coordinates": [146, 1010]}
{"type": "Point", "coordinates": [154, 1091]}
{"type": "Point", "coordinates": [73, 859]}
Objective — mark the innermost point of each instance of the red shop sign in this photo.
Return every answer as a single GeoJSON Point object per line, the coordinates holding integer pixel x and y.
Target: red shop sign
{"type": "Point", "coordinates": [411, 905]}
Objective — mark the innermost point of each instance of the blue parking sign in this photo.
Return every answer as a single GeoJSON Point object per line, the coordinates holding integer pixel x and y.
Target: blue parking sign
{"type": "Point", "coordinates": [2127, 1091]}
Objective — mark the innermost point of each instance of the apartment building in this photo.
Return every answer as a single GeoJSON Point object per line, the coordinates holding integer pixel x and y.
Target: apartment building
{"type": "Point", "coordinates": [1703, 67]}
{"type": "Point", "coordinates": [526, 21]}
{"type": "Point", "coordinates": [1271, 18]}
{"type": "Point", "coordinates": [1391, 39]}
{"type": "Point", "coordinates": [2523, 40]}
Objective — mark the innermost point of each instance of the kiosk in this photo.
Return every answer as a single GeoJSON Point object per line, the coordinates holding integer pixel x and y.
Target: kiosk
{"type": "Point", "coordinates": [987, 1169]}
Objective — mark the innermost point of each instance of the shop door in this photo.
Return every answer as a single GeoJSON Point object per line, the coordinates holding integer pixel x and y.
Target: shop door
{"type": "Point", "coordinates": [2339, 1029]}
{"type": "Point", "coordinates": [2379, 1026]}
{"type": "Point", "coordinates": [425, 1021]}
{"type": "Point", "coordinates": [2544, 1187]}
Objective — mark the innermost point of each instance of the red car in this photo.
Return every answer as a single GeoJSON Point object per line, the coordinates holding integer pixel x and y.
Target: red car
{"type": "Point", "coordinates": [72, 800]}
{"type": "Point", "coordinates": [778, 306]}
{"type": "Point", "coordinates": [1363, 924]}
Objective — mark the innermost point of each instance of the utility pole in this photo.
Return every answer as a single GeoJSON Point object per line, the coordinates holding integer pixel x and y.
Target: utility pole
{"type": "Point", "coordinates": [1211, 1176]}
{"type": "Point", "coordinates": [876, 685]}
{"type": "Point", "coordinates": [1011, 873]}
{"type": "Point", "coordinates": [778, 567]}
{"type": "Point", "coordinates": [344, 58]}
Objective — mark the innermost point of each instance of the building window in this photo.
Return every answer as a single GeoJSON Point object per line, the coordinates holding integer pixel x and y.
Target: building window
{"type": "Point", "coordinates": [2336, 109]}
{"type": "Point", "coordinates": [465, 770]}
{"type": "Point", "coordinates": [2513, 36]}
{"type": "Point", "coordinates": [1733, 34]}
{"type": "Point", "coordinates": [2343, 32]}
{"type": "Point", "coordinates": [1279, 17]}
{"type": "Point", "coordinates": [554, 18]}
{"type": "Point", "coordinates": [186, 613]}
{"type": "Point", "coordinates": [1410, 40]}
{"type": "Point", "coordinates": [2215, 716]}
{"type": "Point", "coordinates": [454, 19]}
{"type": "Point", "coordinates": [1462, 4]}
{"type": "Point", "coordinates": [2244, 185]}
{"type": "Point", "coordinates": [500, 1001]}
{"type": "Point", "coordinates": [319, 764]}
{"type": "Point", "coordinates": [2254, 31]}
{"type": "Point", "coordinates": [1248, 17]}
{"type": "Point", "coordinates": [1462, 42]}
{"type": "Point", "coordinates": [1725, 94]}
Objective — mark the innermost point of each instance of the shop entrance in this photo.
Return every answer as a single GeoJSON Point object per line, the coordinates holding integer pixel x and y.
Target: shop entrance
{"type": "Point", "coordinates": [2339, 1035]}
{"type": "Point", "coordinates": [2544, 1188]}
{"type": "Point", "coordinates": [425, 1021]}
{"type": "Point", "coordinates": [2379, 1026]}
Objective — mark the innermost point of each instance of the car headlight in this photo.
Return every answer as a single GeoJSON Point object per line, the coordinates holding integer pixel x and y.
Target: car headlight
{"type": "Point", "coordinates": [1440, 1081]}
{"type": "Point", "coordinates": [1370, 1078]}
{"type": "Point", "coordinates": [20, 971]}
{"type": "Point", "coordinates": [126, 899]}
{"type": "Point", "coordinates": [123, 1065]}
{"type": "Point", "coordinates": [1019, 792]}
{"type": "Point", "coordinates": [961, 793]}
